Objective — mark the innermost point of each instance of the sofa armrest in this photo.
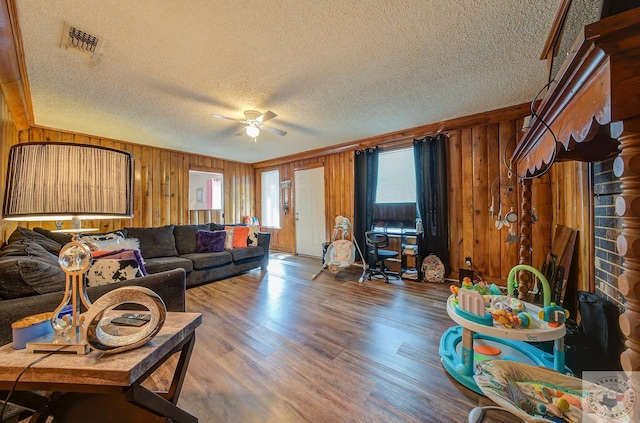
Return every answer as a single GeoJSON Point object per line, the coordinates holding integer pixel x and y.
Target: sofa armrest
{"type": "Point", "coordinates": [264, 240]}
{"type": "Point", "coordinates": [170, 286]}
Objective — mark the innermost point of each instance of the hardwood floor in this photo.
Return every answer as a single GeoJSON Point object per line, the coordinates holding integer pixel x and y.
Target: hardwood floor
{"type": "Point", "coordinates": [276, 346]}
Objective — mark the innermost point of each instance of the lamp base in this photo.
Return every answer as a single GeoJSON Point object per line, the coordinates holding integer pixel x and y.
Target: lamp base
{"type": "Point", "coordinates": [55, 343]}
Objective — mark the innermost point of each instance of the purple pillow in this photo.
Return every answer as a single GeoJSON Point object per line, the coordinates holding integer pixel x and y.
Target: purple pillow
{"type": "Point", "coordinates": [210, 241]}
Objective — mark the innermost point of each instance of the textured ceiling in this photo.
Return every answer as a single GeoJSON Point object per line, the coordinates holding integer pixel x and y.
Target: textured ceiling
{"type": "Point", "coordinates": [334, 71]}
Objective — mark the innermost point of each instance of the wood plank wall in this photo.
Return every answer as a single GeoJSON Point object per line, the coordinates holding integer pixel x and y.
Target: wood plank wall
{"type": "Point", "coordinates": [572, 200]}
{"type": "Point", "coordinates": [9, 137]}
{"type": "Point", "coordinates": [475, 153]}
{"type": "Point", "coordinates": [161, 186]}
{"type": "Point", "coordinates": [339, 186]}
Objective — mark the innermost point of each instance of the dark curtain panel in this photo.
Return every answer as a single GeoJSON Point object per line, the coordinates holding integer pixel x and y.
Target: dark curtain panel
{"type": "Point", "coordinates": [431, 197]}
{"type": "Point", "coordinates": [366, 181]}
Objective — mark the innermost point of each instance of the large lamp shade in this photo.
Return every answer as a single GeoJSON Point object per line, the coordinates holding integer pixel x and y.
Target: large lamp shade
{"type": "Point", "coordinates": [55, 181]}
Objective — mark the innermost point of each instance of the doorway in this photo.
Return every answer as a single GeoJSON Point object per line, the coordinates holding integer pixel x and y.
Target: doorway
{"type": "Point", "coordinates": [309, 208]}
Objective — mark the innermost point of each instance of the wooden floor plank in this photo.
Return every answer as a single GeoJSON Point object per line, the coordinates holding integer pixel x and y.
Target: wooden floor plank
{"type": "Point", "coordinates": [276, 346]}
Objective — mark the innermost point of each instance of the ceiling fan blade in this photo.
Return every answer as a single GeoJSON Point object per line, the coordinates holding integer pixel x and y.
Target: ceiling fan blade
{"type": "Point", "coordinates": [273, 130]}
{"type": "Point", "coordinates": [266, 116]}
{"type": "Point", "coordinates": [241, 131]}
{"type": "Point", "coordinates": [227, 118]}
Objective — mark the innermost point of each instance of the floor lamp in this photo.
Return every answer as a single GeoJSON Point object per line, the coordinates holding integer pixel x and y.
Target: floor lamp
{"type": "Point", "coordinates": [55, 182]}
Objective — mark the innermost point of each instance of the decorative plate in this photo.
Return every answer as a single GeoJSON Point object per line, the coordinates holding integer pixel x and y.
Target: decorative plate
{"type": "Point", "coordinates": [432, 269]}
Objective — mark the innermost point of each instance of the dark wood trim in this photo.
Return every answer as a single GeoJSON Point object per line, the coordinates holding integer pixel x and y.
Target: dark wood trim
{"type": "Point", "coordinates": [13, 80]}
{"type": "Point", "coordinates": [194, 156]}
{"type": "Point", "coordinates": [582, 101]}
{"type": "Point", "coordinates": [484, 118]}
{"type": "Point", "coordinates": [550, 48]}
{"type": "Point", "coordinates": [308, 166]}
{"type": "Point", "coordinates": [206, 169]}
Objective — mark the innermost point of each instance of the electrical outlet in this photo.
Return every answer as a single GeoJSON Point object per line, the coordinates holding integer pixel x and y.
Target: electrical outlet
{"type": "Point", "coordinates": [467, 261]}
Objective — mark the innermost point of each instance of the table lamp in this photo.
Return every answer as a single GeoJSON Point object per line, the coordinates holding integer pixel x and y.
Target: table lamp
{"type": "Point", "coordinates": [56, 181]}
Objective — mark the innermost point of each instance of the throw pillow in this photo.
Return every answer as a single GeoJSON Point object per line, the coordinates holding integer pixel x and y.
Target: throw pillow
{"type": "Point", "coordinates": [210, 241]}
{"type": "Point", "coordinates": [240, 235]}
{"type": "Point", "coordinates": [228, 242]}
{"type": "Point", "coordinates": [106, 271]}
{"type": "Point", "coordinates": [155, 242]}
{"type": "Point", "coordinates": [22, 234]}
{"type": "Point", "coordinates": [110, 242]}
{"type": "Point", "coordinates": [252, 239]}
{"type": "Point", "coordinates": [122, 255]}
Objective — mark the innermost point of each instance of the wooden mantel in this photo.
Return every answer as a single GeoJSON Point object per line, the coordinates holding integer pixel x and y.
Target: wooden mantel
{"type": "Point", "coordinates": [594, 110]}
{"type": "Point", "coordinates": [594, 93]}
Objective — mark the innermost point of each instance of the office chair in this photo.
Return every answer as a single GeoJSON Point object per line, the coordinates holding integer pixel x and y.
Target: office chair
{"type": "Point", "coordinates": [377, 241]}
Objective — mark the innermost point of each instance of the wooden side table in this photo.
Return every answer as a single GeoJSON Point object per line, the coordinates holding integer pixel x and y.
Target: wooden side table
{"type": "Point", "coordinates": [103, 388]}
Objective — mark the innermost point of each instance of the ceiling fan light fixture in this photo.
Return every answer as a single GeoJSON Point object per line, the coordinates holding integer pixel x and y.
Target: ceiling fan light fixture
{"type": "Point", "coordinates": [252, 131]}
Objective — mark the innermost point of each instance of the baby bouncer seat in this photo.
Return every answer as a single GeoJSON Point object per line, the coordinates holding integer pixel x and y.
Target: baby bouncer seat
{"type": "Point", "coordinates": [341, 252]}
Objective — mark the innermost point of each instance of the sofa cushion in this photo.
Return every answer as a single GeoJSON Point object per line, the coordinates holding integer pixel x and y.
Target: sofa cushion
{"type": "Point", "coordinates": [155, 242]}
{"type": "Point", "coordinates": [160, 264]}
{"type": "Point", "coordinates": [210, 241]}
{"type": "Point", "coordinates": [185, 236]}
{"type": "Point", "coordinates": [59, 237]}
{"type": "Point", "coordinates": [239, 254]}
{"type": "Point", "coordinates": [207, 260]}
{"type": "Point", "coordinates": [37, 272]}
{"type": "Point", "coordinates": [15, 249]}
{"type": "Point", "coordinates": [24, 234]}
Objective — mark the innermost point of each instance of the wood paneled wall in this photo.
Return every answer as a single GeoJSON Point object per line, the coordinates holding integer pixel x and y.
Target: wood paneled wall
{"type": "Point", "coordinates": [338, 184]}
{"type": "Point", "coordinates": [573, 207]}
{"type": "Point", "coordinates": [9, 137]}
{"type": "Point", "coordinates": [476, 147]}
{"type": "Point", "coordinates": [161, 186]}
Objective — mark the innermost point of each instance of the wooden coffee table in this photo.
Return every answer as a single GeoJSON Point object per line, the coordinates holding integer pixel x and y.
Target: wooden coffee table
{"type": "Point", "coordinates": [100, 387]}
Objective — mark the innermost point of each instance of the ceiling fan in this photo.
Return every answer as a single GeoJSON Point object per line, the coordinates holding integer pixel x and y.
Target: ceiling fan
{"type": "Point", "coordinates": [254, 122]}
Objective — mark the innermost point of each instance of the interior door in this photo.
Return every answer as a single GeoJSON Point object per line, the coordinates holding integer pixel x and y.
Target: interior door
{"type": "Point", "coordinates": [309, 209]}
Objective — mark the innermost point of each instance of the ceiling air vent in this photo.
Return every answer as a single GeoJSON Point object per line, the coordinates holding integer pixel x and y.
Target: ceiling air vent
{"type": "Point", "coordinates": [81, 41]}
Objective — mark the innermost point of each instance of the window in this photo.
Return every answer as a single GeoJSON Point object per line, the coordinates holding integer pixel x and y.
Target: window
{"type": "Point", "coordinates": [271, 199]}
{"type": "Point", "coordinates": [396, 177]}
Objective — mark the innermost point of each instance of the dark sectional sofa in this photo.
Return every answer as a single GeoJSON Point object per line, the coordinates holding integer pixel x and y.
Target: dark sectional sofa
{"type": "Point", "coordinates": [31, 280]}
{"type": "Point", "coordinates": [174, 246]}
{"type": "Point", "coordinates": [169, 285]}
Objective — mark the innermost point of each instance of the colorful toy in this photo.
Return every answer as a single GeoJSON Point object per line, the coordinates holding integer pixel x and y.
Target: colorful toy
{"type": "Point", "coordinates": [504, 310]}
{"type": "Point", "coordinates": [506, 319]}
{"type": "Point", "coordinates": [466, 283]}
{"type": "Point", "coordinates": [553, 314]}
{"type": "Point", "coordinates": [481, 286]}
{"type": "Point", "coordinates": [509, 323]}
